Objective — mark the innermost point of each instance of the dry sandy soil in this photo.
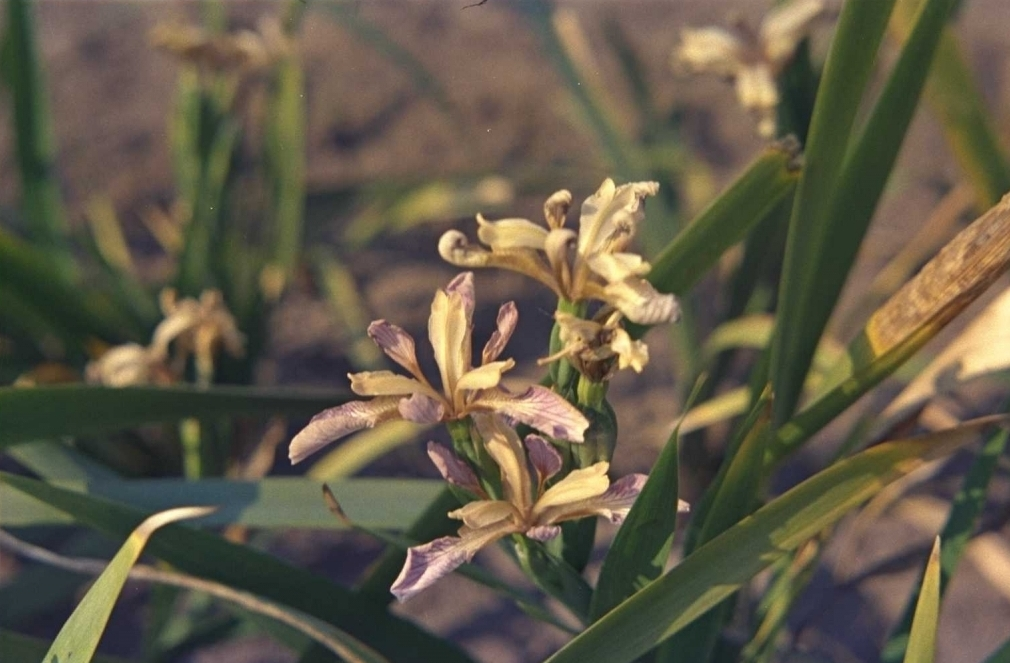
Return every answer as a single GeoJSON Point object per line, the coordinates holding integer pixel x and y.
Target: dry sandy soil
{"type": "Point", "coordinates": [367, 121]}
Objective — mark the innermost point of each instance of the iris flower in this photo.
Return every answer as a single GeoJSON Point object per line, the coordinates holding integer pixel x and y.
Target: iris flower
{"type": "Point", "coordinates": [465, 389]}
{"type": "Point", "coordinates": [591, 264]}
{"type": "Point", "coordinates": [752, 58]}
{"type": "Point", "coordinates": [527, 506]}
{"type": "Point", "coordinates": [595, 347]}
{"type": "Point", "coordinates": [196, 327]}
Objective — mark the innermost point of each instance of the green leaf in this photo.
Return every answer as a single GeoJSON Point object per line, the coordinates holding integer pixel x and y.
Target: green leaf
{"type": "Point", "coordinates": [953, 95]}
{"type": "Point", "coordinates": [35, 142]}
{"type": "Point", "coordinates": [78, 639]}
{"type": "Point", "coordinates": [735, 497]}
{"type": "Point", "coordinates": [846, 73]}
{"type": "Point", "coordinates": [1001, 655]}
{"type": "Point", "coordinates": [17, 648]}
{"type": "Point", "coordinates": [967, 508]}
{"type": "Point", "coordinates": [922, 639]}
{"type": "Point", "coordinates": [207, 556]}
{"type": "Point", "coordinates": [46, 412]}
{"type": "Point", "coordinates": [727, 220]}
{"type": "Point", "coordinates": [276, 502]}
{"type": "Point", "coordinates": [720, 567]}
{"type": "Point", "coordinates": [641, 548]}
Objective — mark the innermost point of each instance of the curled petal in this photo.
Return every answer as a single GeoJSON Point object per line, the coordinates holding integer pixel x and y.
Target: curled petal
{"type": "Point", "coordinates": [543, 532]}
{"type": "Point", "coordinates": [539, 408]}
{"type": "Point", "coordinates": [508, 317]}
{"type": "Point", "coordinates": [396, 343]}
{"type": "Point", "coordinates": [785, 27]}
{"type": "Point", "coordinates": [556, 208]}
{"type": "Point", "coordinates": [384, 383]}
{"type": "Point", "coordinates": [640, 302]}
{"type": "Point", "coordinates": [711, 50]}
{"type": "Point", "coordinates": [558, 248]}
{"type": "Point", "coordinates": [422, 409]}
{"type": "Point", "coordinates": [336, 422]}
{"type": "Point", "coordinates": [633, 354]}
{"type": "Point", "coordinates": [510, 234]}
{"type": "Point", "coordinates": [485, 377]}
{"type": "Point", "coordinates": [456, 249]}
{"type": "Point", "coordinates": [545, 458]}
{"type": "Point", "coordinates": [453, 469]}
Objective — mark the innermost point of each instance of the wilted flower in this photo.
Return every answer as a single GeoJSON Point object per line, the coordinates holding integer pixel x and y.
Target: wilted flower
{"type": "Point", "coordinates": [527, 507]}
{"type": "Point", "coordinates": [198, 328]}
{"type": "Point", "coordinates": [753, 59]}
{"type": "Point", "coordinates": [594, 347]}
{"type": "Point", "coordinates": [128, 365]}
{"type": "Point", "coordinates": [465, 389]}
{"type": "Point", "coordinates": [592, 264]}
{"type": "Point", "coordinates": [240, 50]}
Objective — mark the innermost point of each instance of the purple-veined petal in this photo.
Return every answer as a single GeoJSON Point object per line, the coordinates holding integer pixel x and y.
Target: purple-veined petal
{"type": "Point", "coordinates": [613, 503]}
{"type": "Point", "coordinates": [543, 532]}
{"type": "Point", "coordinates": [384, 383]}
{"type": "Point", "coordinates": [396, 343]}
{"type": "Point", "coordinates": [539, 408]}
{"type": "Point", "coordinates": [427, 563]}
{"type": "Point", "coordinates": [421, 409]}
{"type": "Point", "coordinates": [545, 458]}
{"type": "Point", "coordinates": [453, 469]}
{"type": "Point", "coordinates": [336, 422]}
{"type": "Point", "coordinates": [463, 284]}
{"type": "Point", "coordinates": [504, 447]}
{"type": "Point", "coordinates": [484, 377]}
{"type": "Point", "coordinates": [508, 317]}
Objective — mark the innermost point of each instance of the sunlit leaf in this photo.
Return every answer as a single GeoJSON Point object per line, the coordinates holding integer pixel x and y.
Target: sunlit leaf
{"type": "Point", "coordinates": [922, 639]}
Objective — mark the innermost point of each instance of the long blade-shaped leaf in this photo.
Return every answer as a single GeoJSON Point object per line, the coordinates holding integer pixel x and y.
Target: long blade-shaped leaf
{"type": "Point", "coordinates": [952, 280]}
{"type": "Point", "coordinates": [207, 556]}
{"type": "Point", "coordinates": [46, 412]}
{"type": "Point", "coordinates": [78, 639]}
{"type": "Point", "coordinates": [276, 502]}
{"type": "Point", "coordinates": [968, 505]}
{"type": "Point", "coordinates": [846, 72]}
{"type": "Point", "coordinates": [641, 548]}
{"type": "Point", "coordinates": [720, 567]}
{"type": "Point", "coordinates": [19, 648]}
{"type": "Point", "coordinates": [857, 192]}
{"type": "Point", "coordinates": [727, 220]}
{"type": "Point", "coordinates": [922, 639]}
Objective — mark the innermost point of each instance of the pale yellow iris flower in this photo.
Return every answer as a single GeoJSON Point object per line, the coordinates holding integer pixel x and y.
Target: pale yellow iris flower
{"type": "Point", "coordinates": [751, 58]}
{"type": "Point", "coordinates": [465, 389]}
{"type": "Point", "coordinates": [527, 507]}
{"type": "Point", "coordinates": [596, 349]}
{"type": "Point", "coordinates": [592, 264]}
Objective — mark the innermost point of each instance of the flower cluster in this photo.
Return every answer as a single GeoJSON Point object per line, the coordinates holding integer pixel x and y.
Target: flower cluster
{"type": "Point", "coordinates": [751, 58]}
{"type": "Point", "coordinates": [191, 327]}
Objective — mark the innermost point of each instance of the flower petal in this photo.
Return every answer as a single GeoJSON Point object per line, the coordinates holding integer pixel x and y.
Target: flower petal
{"type": "Point", "coordinates": [578, 486]}
{"type": "Point", "coordinates": [713, 50]}
{"type": "Point", "coordinates": [336, 422]}
{"type": "Point", "coordinates": [504, 447]}
{"type": "Point", "coordinates": [785, 26]}
{"type": "Point", "coordinates": [556, 208]}
{"type": "Point", "coordinates": [511, 234]}
{"type": "Point", "coordinates": [456, 249]}
{"type": "Point", "coordinates": [485, 377]}
{"type": "Point", "coordinates": [545, 458]}
{"type": "Point", "coordinates": [449, 332]}
{"type": "Point", "coordinates": [611, 216]}
{"type": "Point", "coordinates": [634, 354]}
{"type": "Point", "coordinates": [462, 284]}
{"type": "Point", "coordinates": [543, 532]}
{"type": "Point", "coordinates": [640, 302]}
{"type": "Point", "coordinates": [422, 409]}
{"type": "Point", "coordinates": [384, 383]}
{"type": "Point", "coordinates": [756, 88]}
{"type": "Point", "coordinates": [453, 469]}
{"type": "Point", "coordinates": [483, 513]}
{"type": "Point", "coordinates": [617, 266]}
{"type": "Point", "coordinates": [613, 504]}
{"type": "Point", "coordinates": [539, 408]}
{"type": "Point", "coordinates": [122, 366]}
{"type": "Point", "coordinates": [508, 317]}
{"type": "Point", "coordinates": [396, 343]}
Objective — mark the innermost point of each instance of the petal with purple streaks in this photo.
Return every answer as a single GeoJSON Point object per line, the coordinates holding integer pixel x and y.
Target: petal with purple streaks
{"type": "Point", "coordinates": [545, 458]}
{"type": "Point", "coordinates": [336, 422]}
{"type": "Point", "coordinates": [453, 469]}
{"type": "Point", "coordinates": [508, 317]}
{"type": "Point", "coordinates": [396, 343]}
{"type": "Point", "coordinates": [421, 409]}
{"type": "Point", "coordinates": [539, 408]}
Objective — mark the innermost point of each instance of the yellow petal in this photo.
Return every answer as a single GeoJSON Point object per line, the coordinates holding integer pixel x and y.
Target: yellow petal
{"type": "Point", "coordinates": [448, 328]}
{"type": "Point", "coordinates": [485, 377]}
{"type": "Point", "coordinates": [504, 447]}
{"type": "Point", "coordinates": [580, 485]}
{"type": "Point", "coordinates": [711, 50]}
{"type": "Point", "coordinates": [483, 513]}
{"type": "Point", "coordinates": [385, 383]}
{"type": "Point", "coordinates": [786, 26]}
{"type": "Point", "coordinates": [511, 234]}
